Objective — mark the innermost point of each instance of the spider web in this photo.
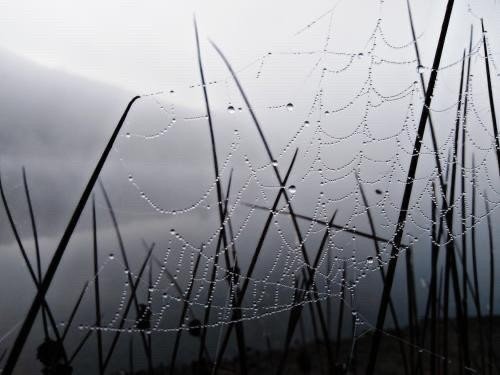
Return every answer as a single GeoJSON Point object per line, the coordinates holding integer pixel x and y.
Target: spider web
{"type": "Point", "coordinates": [352, 115]}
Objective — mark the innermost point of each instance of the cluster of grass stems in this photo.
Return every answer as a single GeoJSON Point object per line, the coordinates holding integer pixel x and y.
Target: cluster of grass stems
{"type": "Point", "coordinates": [434, 330]}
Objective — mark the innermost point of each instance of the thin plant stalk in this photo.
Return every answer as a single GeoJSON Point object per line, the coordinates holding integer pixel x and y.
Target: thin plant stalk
{"type": "Point", "coordinates": [391, 270]}
{"type": "Point", "coordinates": [412, 309]}
{"type": "Point", "coordinates": [97, 293]}
{"type": "Point", "coordinates": [123, 252]}
{"type": "Point", "coordinates": [59, 252]}
{"type": "Point", "coordinates": [218, 185]}
{"type": "Point", "coordinates": [184, 312]}
{"type": "Point", "coordinates": [302, 331]}
{"type": "Point", "coordinates": [253, 262]}
{"type": "Point", "coordinates": [422, 84]}
{"type": "Point", "coordinates": [127, 309]}
{"type": "Point", "coordinates": [463, 208]}
{"type": "Point", "coordinates": [80, 346]}
{"type": "Point", "coordinates": [37, 245]}
{"type": "Point", "coordinates": [149, 306]}
{"type": "Point", "coordinates": [433, 284]}
{"type": "Point", "coordinates": [119, 237]}
{"type": "Point", "coordinates": [492, 286]}
{"type": "Point", "coordinates": [382, 272]}
{"type": "Point", "coordinates": [268, 151]}
{"type": "Point", "coordinates": [310, 302]}
{"type": "Point", "coordinates": [277, 174]}
{"type": "Point", "coordinates": [233, 279]}
{"type": "Point", "coordinates": [236, 315]}
{"type": "Point", "coordinates": [355, 232]}
{"type": "Point", "coordinates": [309, 281]}
{"type": "Point", "coordinates": [74, 311]}
{"type": "Point", "coordinates": [220, 205]}
{"type": "Point", "coordinates": [295, 312]}
{"type": "Point", "coordinates": [131, 356]}
{"type": "Point", "coordinates": [172, 279]}
{"type": "Point", "coordinates": [450, 247]}
{"type": "Point", "coordinates": [435, 146]}
{"type": "Point", "coordinates": [177, 287]}
{"type": "Point", "coordinates": [313, 320]}
{"type": "Point", "coordinates": [477, 295]}
{"type": "Point", "coordinates": [282, 184]}
{"type": "Point", "coordinates": [329, 300]}
{"type": "Point", "coordinates": [28, 263]}
{"type": "Point", "coordinates": [351, 363]}
{"type": "Point", "coordinates": [490, 95]}
{"type": "Point", "coordinates": [235, 268]}
{"type": "Point", "coordinates": [341, 310]}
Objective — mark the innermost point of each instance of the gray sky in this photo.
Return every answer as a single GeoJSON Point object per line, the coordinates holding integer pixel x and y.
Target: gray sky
{"type": "Point", "coordinates": [149, 45]}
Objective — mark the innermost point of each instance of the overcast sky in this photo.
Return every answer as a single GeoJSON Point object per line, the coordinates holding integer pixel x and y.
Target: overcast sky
{"type": "Point", "coordinates": [148, 45]}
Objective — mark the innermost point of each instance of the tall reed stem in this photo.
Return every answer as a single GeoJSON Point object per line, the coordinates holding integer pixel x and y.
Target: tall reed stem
{"type": "Point", "coordinates": [398, 236]}
{"type": "Point", "coordinates": [59, 252]}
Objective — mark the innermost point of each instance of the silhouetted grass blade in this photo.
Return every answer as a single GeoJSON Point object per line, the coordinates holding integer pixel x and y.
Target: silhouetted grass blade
{"type": "Point", "coordinates": [59, 252]}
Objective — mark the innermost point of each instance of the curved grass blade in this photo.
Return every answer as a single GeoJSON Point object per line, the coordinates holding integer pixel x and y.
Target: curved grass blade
{"type": "Point", "coordinates": [218, 185]}
{"type": "Point", "coordinates": [280, 180]}
{"type": "Point", "coordinates": [59, 252]}
{"type": "Point", "coordinates": [28, 263]}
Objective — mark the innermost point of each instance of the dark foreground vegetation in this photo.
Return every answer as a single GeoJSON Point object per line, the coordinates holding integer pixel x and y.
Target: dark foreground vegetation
{"type": "Point", "coordinates": [309, 357]}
